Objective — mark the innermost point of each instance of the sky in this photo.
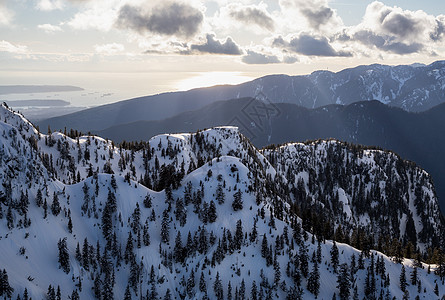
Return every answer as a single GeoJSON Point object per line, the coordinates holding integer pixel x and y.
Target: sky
{"type": "Point", "coordinates": [151, 46]}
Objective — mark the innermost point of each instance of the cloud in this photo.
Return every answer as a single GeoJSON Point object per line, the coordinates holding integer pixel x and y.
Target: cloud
{"type": "Point", "coordinates": [11, 48]}
{"type": "Point", "coordinates": [50, 29]}
{"type": "Point", "coordinates": [48, 5]}
{"type": "Point", "coordinates": [99, 15]}
{"type": "Point", "coordinates": [386, 43]}
{"type": "Point", "coordinates": [394, 30]}
{"type": "Point", "coordinates": [214, 46]}
{"type": "Point", "coordinates": [309, 45]}
{"type": "Point", "coordinates": [6, 15]}
{"type": "Point", "coordinates": [255, 58]}
{"type": "Point", "coordinates": [251, 14]}
{"type": "Point", "coordinates": [317, 13]}
{"type": "Point", "coordinates": [169, 19]}
{"type": "Point", "coordinates": [109, 49]}
{"type": "Point", "coordinates": [439, 30]}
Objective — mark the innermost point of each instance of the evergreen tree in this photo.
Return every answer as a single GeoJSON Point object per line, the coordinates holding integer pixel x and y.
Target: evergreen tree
{"type": "Point", "coordinates": [128, 254]}
{"type": "Point", "coordinates": [220, 196]}
{"type": "Point", "coordinates": [313, 282]}
{"type": "Point", "coordinates": [10, 218]}
{"type": "Point", "coordinates": [253, 291]}
{"type": "Point", "coordinates": [403, 282]}
{"type": "Point", "coordinates": [344, 282]}
{"type": "Point", "coordinates": [165, 227]}
{"type": "Point", "coordinates": [190, 286]}
{"type": "Point", "coordinates": [64, 258]}
{"type": "Point", "coordinates": [39, 198]}
{"type": "Point", "coordinates": [178, 249]}
{"type": "Point", "coordinates": [75, 295]}
{"type": "Point", "coordinates": [242, 290]}
{"type": "Point", "coordinates": [218, 288]}
{"type": "Point", "coordinates": [202, 284]}
{"type": "Point", "coordinates": [334, 256]}
{"type": "Point", "coordinates": [212, 212]}
{"type": "Point", "coordinates": [86, 255]}
{"type": "Point", "coordinates": [303, 260]}
{"type": "Point", "coordinates": [58, 293]}
{"type": "Point", "coordinates": [237, 203]}
{"type": "Point", "coordinates": [254, 233]}
{"type": "Point", "coordinates": [127, 295]}
{"type": "Point", "coordinates": [55, 206]}
{"type": "Point", "coordinates": [5, 289]}
{"type": "Point", "coordinates": [238, 238]}
{"type": "Point", "coordinates": [168, 295]}
{"type": "Point", "coordinates": [145, 234]}
{"type": "Point", "coordinates": [50, 294]}
{"type": "Point", "coordinates": [414, 278]}
{"type": "Point", "coordinates": [147, 201]}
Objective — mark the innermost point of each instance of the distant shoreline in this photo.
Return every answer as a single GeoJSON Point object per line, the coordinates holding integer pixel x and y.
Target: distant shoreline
{"type": "Point", "coordinates": [26, 89]}
{"type": "Point", "coordinates": [37, 103]}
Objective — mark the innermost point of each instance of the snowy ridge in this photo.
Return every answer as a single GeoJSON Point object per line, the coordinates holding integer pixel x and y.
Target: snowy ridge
{"type": "Point", "coordinates": [218, 213]}
{"type": "Point", "coordinates": [385, 193]}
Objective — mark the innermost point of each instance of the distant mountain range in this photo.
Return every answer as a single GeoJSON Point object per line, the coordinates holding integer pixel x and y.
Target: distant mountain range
{"type": "Point", "coordinates": [412, 88]}
{"type": "Point", "coordinates": [26, 89]}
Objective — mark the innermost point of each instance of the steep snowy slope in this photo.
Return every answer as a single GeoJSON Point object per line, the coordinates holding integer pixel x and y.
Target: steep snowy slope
{"type": "Point", "coordinates": [361, 189]}
{"type": "Point", "coordinates": [220, 223]}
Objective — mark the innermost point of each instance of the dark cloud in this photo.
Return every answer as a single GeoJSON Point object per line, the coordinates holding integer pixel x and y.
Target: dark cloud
{"type": "Point", "coordinates": [169, 19]}
{"type": "Point", "coordinates": [386, 43]}
{"type": "Point", "coordinates": [250, 14]}
{"type": "Point", "coordinates": [309, 45]}
{"type": "Point", "coordinates": [255, 58]}
{"type": "Point", "coordinates": [401, 25]}
{"type": "Point", "coordinates": [438, 32]}
{"type": "Point", "coordinates": [214, 46]}
{"type": "Point", "coordinates": [317, 16]}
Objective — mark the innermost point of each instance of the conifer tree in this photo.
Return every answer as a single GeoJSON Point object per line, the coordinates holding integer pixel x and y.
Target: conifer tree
{"type": "Point", "coordinates": [303, 260]}
{"type": "Point", "coordinates": [313, 282]}
{"type": "Point", "coordinates": [220, 196]}
{"type": "Point", "coordinates": [253, 291]}
{"type": "Point", "coordinates": [165, 227]}
{"type": "Point", "coordinates": [414, 278]}
{"type": "Point", "coordinates": [238, 238]}
{"type": "Point", "coordinates": [202, 284]}
{"type": "Point", "coordinates": [218, 288]}
{"type": "Point", "coordinates": [212, 212]}
{"type": "Point", "coordinates": [344, 282]}
{"type": "Point", "coordinates": [334, 256]}
{"type": "Point", "coordinates": [237, 203]}
{"type": "Point", "coordinates": [127, 295]}
{"type": "Point", "coordinates": [55, 206]}
{"type": "Point", "coordinates": [178, 249]}
{"type": "Point", "coordinates": [64, 257]}
{"type": "Point", "coordinates": [403, 282]}
{"type": "Point", "coordinates": [190, 286]}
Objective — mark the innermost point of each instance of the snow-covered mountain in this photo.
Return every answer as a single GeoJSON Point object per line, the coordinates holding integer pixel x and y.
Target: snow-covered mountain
{"type": "Point", "coordinates": [205, 215]}
{"type": "Point", "coordinates": [410, 87]}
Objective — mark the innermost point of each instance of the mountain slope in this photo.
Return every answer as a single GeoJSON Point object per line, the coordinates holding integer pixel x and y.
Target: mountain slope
{"type": "Point", "coordinates": [415, 136]}
{"type": "Point", "coordinates": [219, 215]}
{"type": "Point", "coordinates": [412, 88]}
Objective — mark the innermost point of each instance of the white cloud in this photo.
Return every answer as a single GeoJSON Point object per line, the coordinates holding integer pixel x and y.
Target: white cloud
{"type": "Point", "coordinates": [48, 5]}
{"type": "Point", "coordinates": [109, 49]}
{"type": "Point", "coordinates": [6, 15]}
{"type": "Point", "coordinates": [313, 15]}
{"type": "Point", "coordinates": [392, 30]}
{"type": "Point", "coordinates": [11, 48]}
{"type": "Point", "coordinates": [50, 29]}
